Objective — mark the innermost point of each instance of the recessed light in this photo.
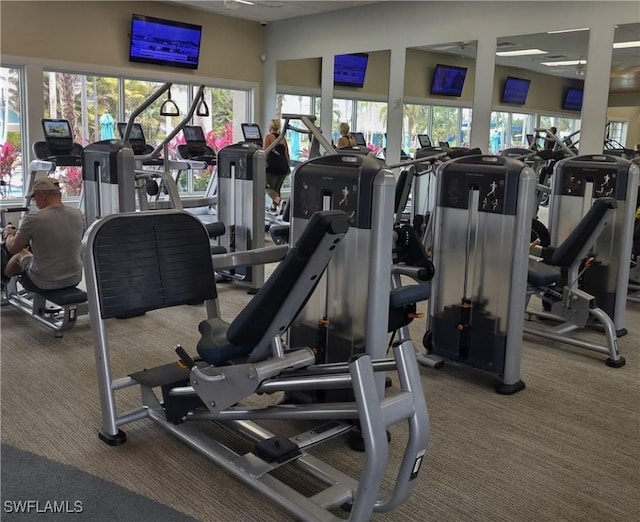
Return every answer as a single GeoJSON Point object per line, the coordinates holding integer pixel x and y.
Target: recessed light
{"type": "Point", "coordinates": [566, 62]}
{"type": "Point", "coordinates": [626, 45]}
{"type": "Point", "coordinates": [568, 30]}
{"type": "Point", "coordinates": [521, 52]}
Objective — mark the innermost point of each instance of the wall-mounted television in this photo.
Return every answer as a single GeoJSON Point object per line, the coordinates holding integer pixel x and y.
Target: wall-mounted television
{"type": "Point", "coordinates": [164, 42]}
{"type": "Point", "coordinates": [515, 90]}
{"type": "Point", "coordinates": [448, 80]}
{"type": "Point", "coordinates": [349, 70]}
{"type": "Point", "coordinates": [572, 99]}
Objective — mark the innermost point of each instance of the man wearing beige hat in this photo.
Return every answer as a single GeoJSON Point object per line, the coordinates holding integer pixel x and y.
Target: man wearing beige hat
{"type": "Point", "coordinates": [54, 236]}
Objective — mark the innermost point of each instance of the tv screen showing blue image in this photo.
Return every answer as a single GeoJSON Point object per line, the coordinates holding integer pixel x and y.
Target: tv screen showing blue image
{"type": "Point", "coordinates": [515, 90]}
{"type": "Point", "coordinates": [349, 70]}
{"type": "Point", "coordinates": [573, 100]}
{"type": "Point", "coordinates": [164, 42]}
{"type": "Point", "coordinates": [448, 80]}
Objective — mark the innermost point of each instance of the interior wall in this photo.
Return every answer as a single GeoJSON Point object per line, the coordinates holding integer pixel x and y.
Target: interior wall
{"type": "Point", "coordinates": [97, 33]}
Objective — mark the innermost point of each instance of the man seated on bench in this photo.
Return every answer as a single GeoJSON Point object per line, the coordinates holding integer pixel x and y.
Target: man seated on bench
{"type": "Point", "coordinates": [45, 247]}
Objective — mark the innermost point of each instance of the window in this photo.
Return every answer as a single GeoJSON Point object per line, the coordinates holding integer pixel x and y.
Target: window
{"type": "Point", "coordinates": [446, 126]}
{"type": "Point", "coordinates": [509, 130]}
{"type": "Point", "coordinates": [154, 126]}
{"type": "Point", "coordinates": [616, 134]}
{"type": "Point", "coordinates": [416, 120]}
{"type": "Point", "coordinates": [299, 143]}
{"type": "Point", "coordinates": [90, 104]}
{"type": "Point", "coordinates": [567, 127]}
{"type": "Point", "coordinates": [10, 133]}
{"type": "Point", "coordinates": [368, 117]}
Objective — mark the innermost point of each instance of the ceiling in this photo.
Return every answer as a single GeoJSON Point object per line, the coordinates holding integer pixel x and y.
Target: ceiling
{"type": "Point", "coordinates": [269, 11]}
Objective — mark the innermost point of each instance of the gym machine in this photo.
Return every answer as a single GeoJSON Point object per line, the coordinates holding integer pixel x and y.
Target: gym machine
{"type": "Point", "coordinates": [482, 222]}
{"type": "Point", "coordinates": [340, 316]}
{"type": "Point", "coordinates": [55, 309]}
{"type": "Point", "coordinates": [241, 183]}
{"type": "Point", "coordinates": [578, 182]}
{"type": "Point", "coordinates": [248, 356]}
{"type": "Point", "coordinates": [56, 150]}
{"type": "Point", "coordinates": [58, 309]}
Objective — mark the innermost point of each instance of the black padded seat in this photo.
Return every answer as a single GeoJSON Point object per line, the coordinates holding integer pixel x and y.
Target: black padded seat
{"type": "Point", "coordinates": [215, 346]}
{"type": "Point", "coordinates": [221, 344]}
{"type": "Point", "coordinates": [406, 295]}
{"type": "Point", "coordinates": [542, 275]}
{"type": "Point", "coordinates": [61, 296]}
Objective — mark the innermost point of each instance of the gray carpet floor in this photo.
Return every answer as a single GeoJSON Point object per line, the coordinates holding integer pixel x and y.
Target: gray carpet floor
{"type": "Point", "coordinates": [564, 449]}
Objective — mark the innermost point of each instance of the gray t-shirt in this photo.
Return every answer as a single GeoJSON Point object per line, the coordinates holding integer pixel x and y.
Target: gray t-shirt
{"type": "Point", "coordinates": [55, 234]}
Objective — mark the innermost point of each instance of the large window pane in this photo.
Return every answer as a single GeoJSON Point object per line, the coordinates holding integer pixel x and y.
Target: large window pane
{"type": "Point", "coordinates": [154, 125]}
{"type": "Point", "coordinates": [10, 134]}
{"type": "Point", "coordinates": [445, 126]}
{"type": "Point", "coordinates": [371, 120]}
{"type": "Point", "coordinates": [299, 142]}
{"type": "Point", "coordinates": [90, 104]}
{"type": "Point", "coordinates": [497, 137]}
{"type": "Point", "coordinates": [343, 111]}
{"type": "Point", "coordinates": [415, 121]}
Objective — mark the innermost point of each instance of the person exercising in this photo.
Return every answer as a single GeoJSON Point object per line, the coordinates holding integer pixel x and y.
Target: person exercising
{"type": "Point", "coordinates": [345, 139]}
{"type": "Point", "coordinates": [53, 235]}
{"type": "Point", "coordinates": [277, 163]}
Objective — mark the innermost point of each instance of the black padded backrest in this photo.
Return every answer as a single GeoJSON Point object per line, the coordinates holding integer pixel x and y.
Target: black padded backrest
{"type": "Point", "coordinates": [149, 260]}
{"type": "Point", "coordinates": [567, 253]}
{"type": "Point", "coordinates": [400, 186]}
{"type": "Point", "coordinates": [251, 325]}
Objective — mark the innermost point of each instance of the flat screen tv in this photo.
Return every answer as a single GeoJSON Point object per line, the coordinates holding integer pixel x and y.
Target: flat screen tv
{"type": "Point", "coordinates": [572, 99]}
{"type": "Point", "coordinates": [515, 90]}
{"type": "Point", "coordinates": [349, 69]}
{"type": "Point", "coordinates": [164, 42]}
{"type": "Point", "coordinates": [448, 80]}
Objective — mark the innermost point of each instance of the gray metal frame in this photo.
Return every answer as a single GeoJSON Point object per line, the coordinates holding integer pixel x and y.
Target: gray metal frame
{"type": "Point", "coordinates": [576, 308]}
{"type": "Point", "coordinates": [241, 203]}
{"type": "Point", "coordinates": [516, 267]}
{"type": "Point", "coordinates": [565, 211]}
{"type": "Point", "coordinates": [374, 413]}
{"type": "Point", "coordinates": [57, 318]}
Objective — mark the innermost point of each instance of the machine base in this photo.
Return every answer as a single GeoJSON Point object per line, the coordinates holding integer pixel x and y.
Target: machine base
{"type": "Point", "coordinates": [616, 364]}
{"type": "Point", "coordinates": [113, 440]}
{"type": "Point", "coordinates": [510, 389]}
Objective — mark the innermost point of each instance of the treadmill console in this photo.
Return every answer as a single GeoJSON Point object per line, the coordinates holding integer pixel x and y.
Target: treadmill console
{"type": "Point", "coordinates": [359, 137]}
{"type": "Point", "coordinates": [194, 136]}
{"type": "Point", "coordinates": [58, 136]}
{"type": "Point", "coordinates": [136, 138]}
{"type": "Point", "coordinates": [251, 133]}
{"type": "Point", "coordinates": [424, 140]}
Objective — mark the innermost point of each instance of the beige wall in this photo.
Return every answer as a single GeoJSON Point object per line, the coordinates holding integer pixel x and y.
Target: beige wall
{"type": "Point", "coordinates": [419, 71]}
{"type": "Point", "coordinates": [97, 33]}
{"type": "Point", "coordinates": [307, 73]}
{"type": "Point", "coordinates": [304, 73]}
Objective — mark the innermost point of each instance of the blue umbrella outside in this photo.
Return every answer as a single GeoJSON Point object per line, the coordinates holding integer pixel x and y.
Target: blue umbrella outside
{"type": "Point", "coordinates": [107, 127]}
